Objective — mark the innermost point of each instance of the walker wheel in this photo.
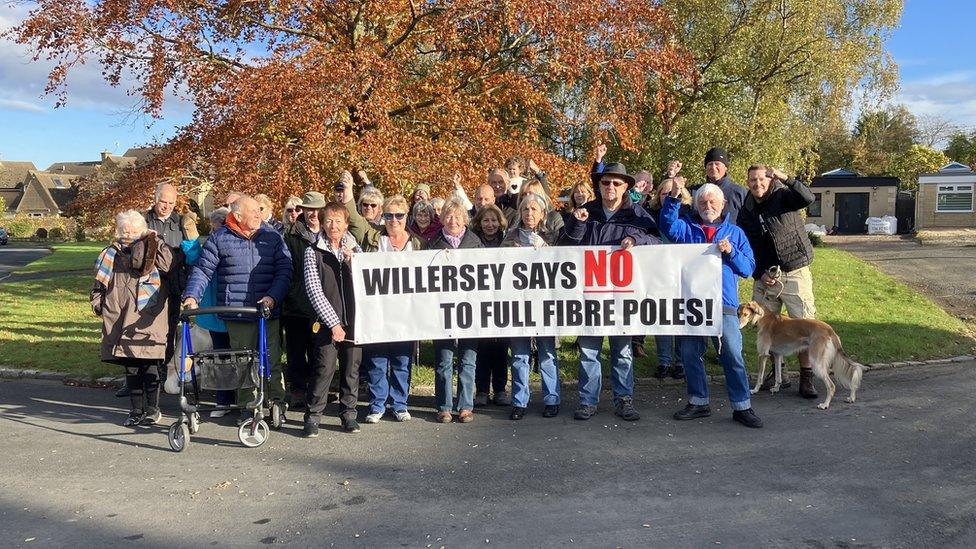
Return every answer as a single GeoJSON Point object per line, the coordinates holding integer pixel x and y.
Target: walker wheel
{"type": "Point", "coordinates": [179, 436]}
{"type": "Point", "coordinates": [194, 420]}
{"type": "Point", "coordinates": [277, 414]}
{"type": "Point", "coordinates": [252, 438]}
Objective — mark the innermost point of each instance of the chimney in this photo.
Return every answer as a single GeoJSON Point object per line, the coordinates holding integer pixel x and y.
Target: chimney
{"type": "Point", "coordinates": [105, 155]}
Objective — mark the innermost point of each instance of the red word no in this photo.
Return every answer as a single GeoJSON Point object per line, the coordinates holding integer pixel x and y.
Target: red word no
{"type": "Point", "coordinates": [598, 266]}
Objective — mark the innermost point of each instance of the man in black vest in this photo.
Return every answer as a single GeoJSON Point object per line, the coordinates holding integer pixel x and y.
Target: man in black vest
{"type": "Point", "coordinates": [328, 282]}
{"type": "Point", "coordinates": [771, 220]}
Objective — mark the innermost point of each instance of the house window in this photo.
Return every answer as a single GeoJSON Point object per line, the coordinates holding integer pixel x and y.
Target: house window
{"type": "Point", "coordinates": [954, 198]}
{"type": "Point", "coordinates": [35, 214]}
{"type": "Point", "coordinates": [813, 210]}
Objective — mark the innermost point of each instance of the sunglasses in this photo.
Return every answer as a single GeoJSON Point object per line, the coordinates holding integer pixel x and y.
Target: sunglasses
{"type": "Point", "coordinates": [614, 182]}
{"type": "Point", "coordinates": [389, 216]}
{"type": "Point", "coordinates": [366, 205]}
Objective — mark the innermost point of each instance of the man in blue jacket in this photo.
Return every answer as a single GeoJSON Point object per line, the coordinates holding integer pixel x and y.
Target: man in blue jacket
{"type": "Point", "coordinates": [613, 219]}
{"type": "Point", "coordinates": [252, 265]}
{"type": "Point", "coordinates": [707, 224]}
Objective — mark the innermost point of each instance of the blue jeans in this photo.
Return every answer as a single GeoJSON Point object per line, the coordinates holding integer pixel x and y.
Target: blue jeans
{"type": "Point", "coordinates": [388, 371]}
{"type": "Point", "coordinates": [521, 349]}
{"type": "Point", "coordinates": [665, 350]}
{"type": "Point", "coordinates": [692, 349]}
{"type": "Point", "coordinates": [590, 373]}
{"type": "Point", "coordinates": [467, 355]}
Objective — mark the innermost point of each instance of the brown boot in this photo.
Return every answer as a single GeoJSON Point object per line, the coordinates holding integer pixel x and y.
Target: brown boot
{"type": "Point", "coordinates": [806, 383]}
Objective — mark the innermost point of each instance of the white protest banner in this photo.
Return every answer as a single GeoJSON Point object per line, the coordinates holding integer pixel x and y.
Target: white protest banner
{"type": "Point", "coordinates": [549, 291]}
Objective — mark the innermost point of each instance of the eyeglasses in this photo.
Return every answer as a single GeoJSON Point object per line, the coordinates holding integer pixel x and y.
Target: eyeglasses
{"type": "Point", "coordinates": [366, 205]}
{"type": "Point", "coordinates": [389, 216]}
{"type": "Point", "coordinates": [614, 182]}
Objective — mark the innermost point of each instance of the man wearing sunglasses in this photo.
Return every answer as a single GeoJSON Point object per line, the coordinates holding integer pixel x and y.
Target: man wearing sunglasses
{"type": "Point", "coordinates": [613, 207]}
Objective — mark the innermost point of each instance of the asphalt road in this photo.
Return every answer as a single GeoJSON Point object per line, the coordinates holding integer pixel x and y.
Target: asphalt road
{"type": "Point", "coordinates": [896, 469]}
{"type": "Point", "coordinates": [942, 272]}
{"type": "Point", "coordinates": [12, 259]}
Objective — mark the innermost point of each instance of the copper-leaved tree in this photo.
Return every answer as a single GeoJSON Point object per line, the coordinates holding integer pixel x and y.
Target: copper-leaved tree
{"type": "Point", "coordinates": [287, 93]}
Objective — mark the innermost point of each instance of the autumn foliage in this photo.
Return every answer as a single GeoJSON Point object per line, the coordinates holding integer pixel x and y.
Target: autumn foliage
{"type": "Point", "coordinates": [289, 93]}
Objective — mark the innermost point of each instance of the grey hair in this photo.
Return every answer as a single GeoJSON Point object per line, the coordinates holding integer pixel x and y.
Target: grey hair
{"type": "Point", "coordinates": [370, 192]}
{"type": "Point", "coordinates": [532, 197]}
{"type": "Point", "coordinates": [424, 206]}
{"type": "Point", "coordinates": [455, 205]}
{"type": "Point", "coordinates": [235, 207]}
{"type": "Point", "coordinates": [218, 217]}
{"type": "Point", "coordinates": [159, 190]}
{"type": "Point", "coordinates": [434, 202]}
{"type": "Point", "coordinates": [129, 218]}
{"type": "Point", "coordinates": [292, 201]}
{"type": "Point", "coordinates": [708, 189]}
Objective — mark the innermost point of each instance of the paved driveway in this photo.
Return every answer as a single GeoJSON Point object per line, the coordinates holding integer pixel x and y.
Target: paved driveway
{"type": "Point", "coordinates": [947, 274]}
{"type": "Point", "coordinates": [12, 258]}
{"type": "Point", "coordinates": [897, 469]}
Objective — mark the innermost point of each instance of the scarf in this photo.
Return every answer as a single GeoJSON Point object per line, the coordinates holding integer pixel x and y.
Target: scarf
{"type": "Point", "coordinates": [148, 285]}
{"type": "Point", "coordinates": [454, 241]}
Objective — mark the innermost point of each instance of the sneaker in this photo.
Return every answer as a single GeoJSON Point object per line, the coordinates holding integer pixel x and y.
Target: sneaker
{"type": "Point", "coordinates": [518, 413]}
{"type": "Point", "coordinates": [373, 417]}
{"type": "Point", "coordinates": [551, 410]}
{"type": "Point", "coordinates": [625, 409]}
{"type": "Point", "coordinates": [311, 430]}
{"type": "Point", "coordinates": [663, 371]}
{"type": "Point", "coordinates": [502, 399]}
{"type": "Point", "coordinates": [678, 372]}
{"type": "Point", "coordinates": [466, 416]}
{"type": "Point", "coordinates": [152, 417]}
{"type": "Point", "coordinates": [584, 412]}
{"type": "Point", "coordinates": [133, 419]}
{"type": "Point", "coordinates": [692, 411]}
{"type": "Point", "coordinates": [402, 416]}
{"type": "Point", "coordinates": [444, 417]}
{"type": "Point", "coordinates": [217, 414]}
{"type": "Point", "coordinates": [747, 418]}
{"type": "Point", "coordinates": [481, 399]}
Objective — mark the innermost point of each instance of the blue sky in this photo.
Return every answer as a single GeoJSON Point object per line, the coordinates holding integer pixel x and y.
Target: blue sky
{"type": "Point", "coordinates": [933, 48]}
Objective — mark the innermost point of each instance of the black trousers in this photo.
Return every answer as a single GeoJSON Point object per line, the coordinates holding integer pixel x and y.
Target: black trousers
{"type": "Point", "coordinates": [142, 378]}
{"type": "Point", "coordinates": [325, 357]}
{"type": "Point", "coordinates": [299, 350]}
{"type": "Point", "coordinates": [491, 367]}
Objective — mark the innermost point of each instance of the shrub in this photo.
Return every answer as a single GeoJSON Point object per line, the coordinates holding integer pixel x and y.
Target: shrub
{"type": "Point", "coordinates": [57, 233]}
{"type": "Point", "coordinates": [41, 233]}
{"type": "Point", "coordinates": [815, 239]}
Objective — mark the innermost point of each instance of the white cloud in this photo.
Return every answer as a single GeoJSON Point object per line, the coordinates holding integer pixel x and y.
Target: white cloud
{"type": "Point", "coordinates": [22, 80]}
{"type": "Point", "coordinates": [949, 95]}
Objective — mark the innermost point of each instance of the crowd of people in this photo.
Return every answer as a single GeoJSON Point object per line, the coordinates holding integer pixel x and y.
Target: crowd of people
{"type": "Point", "coordinates": [299, 267]}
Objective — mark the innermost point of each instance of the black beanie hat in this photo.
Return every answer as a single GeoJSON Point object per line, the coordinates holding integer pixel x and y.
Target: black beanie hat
{"type": "Point", "coordinates": [717, 154]}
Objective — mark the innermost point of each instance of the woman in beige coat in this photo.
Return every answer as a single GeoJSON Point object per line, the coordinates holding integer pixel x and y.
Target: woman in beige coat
{"type": "Point", "coordinates": [130, 296]}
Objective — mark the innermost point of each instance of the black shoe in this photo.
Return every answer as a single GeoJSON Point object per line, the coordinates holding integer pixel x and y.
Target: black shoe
{"type": "Point", "coordinates": [663, 371]}
{"type": "Point", "coordinates": [152, 417]}
{"type": "Point", "coordinates": [584, 412]}
{"type": "Point", "coordinates": [625, 409]}
{"type": "Point", "coordinates": [133, 419]}
{"type": "Point", "coordinates": [551, 410]}
{"type": "Point", "coordinates": [747, 418]}
{"type": "Point", "coordinates": [311, 430]}
{"type": "Point", "coordinates": [518, 413]}
{"type": "Point", "coordinates": [122, 392]}
{"type": "Point", "coordinates": [350, 424]}
{"type": "Point", "coordinates": [692, 411]}
{"type": "Point", "coordinates": [678, 372]}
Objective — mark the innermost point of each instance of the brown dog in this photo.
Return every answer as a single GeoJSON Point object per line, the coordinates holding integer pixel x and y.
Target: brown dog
{"type": "Point", "coordinates": [781, 337]}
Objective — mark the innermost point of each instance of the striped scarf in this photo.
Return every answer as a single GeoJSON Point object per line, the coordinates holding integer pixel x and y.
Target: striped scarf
{"type": "Point", "coordinates": [148, 285]}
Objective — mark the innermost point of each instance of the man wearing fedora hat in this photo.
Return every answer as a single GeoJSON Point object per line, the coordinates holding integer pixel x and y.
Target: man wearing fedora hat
{"type": "Point", "coordinates": [297, 314]}
{"type": "Point", "coordinates": [613, 207]}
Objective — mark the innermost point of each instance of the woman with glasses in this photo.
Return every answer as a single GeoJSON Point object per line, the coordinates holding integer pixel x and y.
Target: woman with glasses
{"type": "Point", "coordinates": [425, 223]}
{"type": "Point", "coordinates": [388, 364]}
{"type": "Point", "coordinates": [291, 212]}
{"type": "Point", "coordinates": [371, 206]}
{"type": "Point", "coordinates": [453, 236]}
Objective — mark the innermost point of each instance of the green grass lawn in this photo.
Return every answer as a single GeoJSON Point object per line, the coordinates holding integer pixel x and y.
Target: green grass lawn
{"type": "Point", "coordinates": [47, 324]}
{"type": "Point", "coordinates": [67, 256]}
